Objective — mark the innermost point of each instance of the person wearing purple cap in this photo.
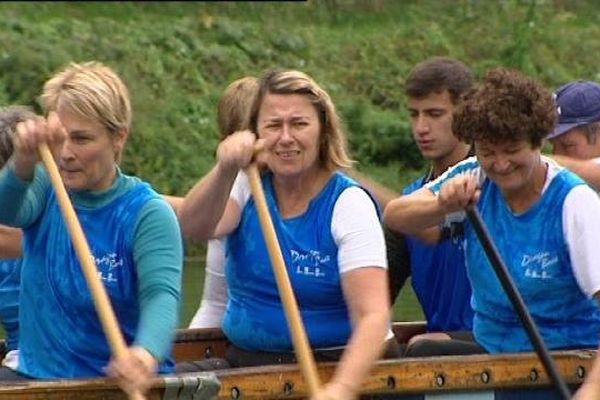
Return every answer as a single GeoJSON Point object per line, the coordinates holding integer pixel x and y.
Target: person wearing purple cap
{"type": "Point", "coordinates": [575, 139]}
{"type": "Point", "coordinates": [576, 144]}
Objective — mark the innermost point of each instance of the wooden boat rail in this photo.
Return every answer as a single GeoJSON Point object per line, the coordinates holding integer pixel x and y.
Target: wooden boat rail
{"type": "Point", "coordinates": [408, 376]}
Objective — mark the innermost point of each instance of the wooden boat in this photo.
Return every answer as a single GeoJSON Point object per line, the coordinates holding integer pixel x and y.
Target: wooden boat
{"type": "Point", "coordinates": [485, 377]}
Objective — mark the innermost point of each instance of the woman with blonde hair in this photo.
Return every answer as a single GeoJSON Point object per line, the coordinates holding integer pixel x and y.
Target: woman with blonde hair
{"type": "Point", "coordinates": [133, 234]}
{"type": "Point", "coordinates": [336, 262]}
{"type": "Point", "coordinates": [232, 115]}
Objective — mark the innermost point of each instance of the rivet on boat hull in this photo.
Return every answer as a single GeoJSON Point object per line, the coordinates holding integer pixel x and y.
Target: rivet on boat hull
{"type": "Point", "coordinates": [235, 393]}
{"type": "Point", "coordinates": [485, 377]}
{"type": "Point", "coordinates": [580, 372]}
{"type": "Point", "coordinates": [440, 380]}
{"type": "Point", "coordinates": [208, 352]}
{"type": "Point", "coordinates": [288, 388]}
{"type": "Point", "coordinates": [533, 375]}
{"type": "Point", "coordinates": [391, 382]}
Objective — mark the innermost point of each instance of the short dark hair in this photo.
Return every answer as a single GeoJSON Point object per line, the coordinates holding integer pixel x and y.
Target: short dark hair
{"type": "Point", "coordinates": [9, 118]}
{"type": "Point", "coordinates": [437, 74]}
{"type": "Point", "coordinates": [506, 106]}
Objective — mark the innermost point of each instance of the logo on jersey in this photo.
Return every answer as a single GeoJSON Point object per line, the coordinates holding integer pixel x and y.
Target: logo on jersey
{"type": "Point", "coordinates": [309, 263]}
{"type": "Point", "coordinates": [539, 266]}
{"type": "Point", "coordinates": [106, 265]}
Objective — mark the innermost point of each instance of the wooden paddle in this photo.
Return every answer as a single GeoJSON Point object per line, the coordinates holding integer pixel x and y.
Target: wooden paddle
{"type": "Point", "coordinates": [517, 301]}
{"type": "Point", "coordinates": [299, 338]}
{"type": "Point", "coordinates": [101, 301]}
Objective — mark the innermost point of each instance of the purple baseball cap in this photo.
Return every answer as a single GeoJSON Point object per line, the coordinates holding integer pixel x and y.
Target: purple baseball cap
{"type": "Point", "coordinates": [578, 103]}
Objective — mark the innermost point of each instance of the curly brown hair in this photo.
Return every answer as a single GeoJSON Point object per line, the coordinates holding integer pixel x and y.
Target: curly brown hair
{"type": "Point", "coordinates": [507, 106]}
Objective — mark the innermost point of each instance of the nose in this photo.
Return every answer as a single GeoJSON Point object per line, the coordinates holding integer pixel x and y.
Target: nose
{"type": "Point", "coordinates": [501, 164]}
{"type": "Point", "coordinates": [286, 133]}
{"type": "Point", "coordinates": [66, 151]}
{"type": "Point", "coordinates": [420, 125]}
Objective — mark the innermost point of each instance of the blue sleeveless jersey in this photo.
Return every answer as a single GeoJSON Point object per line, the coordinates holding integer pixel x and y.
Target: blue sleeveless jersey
{"type": "Point", "coordinates": [439, 278]}
{"type": "Point", "coordinates": [57, 311]}
{"type": "Point", "coordinates": [10, 278]}
{"type": "Point", "coordinates": [254, 318]}
{"type": "Point", "coordinates": [533, 246]}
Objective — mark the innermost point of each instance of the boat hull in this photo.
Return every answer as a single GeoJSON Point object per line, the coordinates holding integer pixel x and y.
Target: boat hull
{"type": "Point", "coordinates": [475, 377]}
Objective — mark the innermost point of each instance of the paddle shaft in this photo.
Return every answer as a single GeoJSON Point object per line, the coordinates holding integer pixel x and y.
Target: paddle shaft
{"type": "Point", "coordinates": [517, 301]}
{"type": "Point", "coordinates": [101, 301]}
{"type": "Point", "coordinates": [290, 306]}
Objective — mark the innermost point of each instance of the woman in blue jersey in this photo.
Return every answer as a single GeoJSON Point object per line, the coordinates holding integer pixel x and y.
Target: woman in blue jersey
{"type": "Point", "coordinates": [133, 235]}
{"type": "Point", "coordinates": [232, 115]}
{"type": "Point", "coordinates": [544, 219]}
{"type": "Point", "coordinates": [327, 227]}
{"type": "Point", "coordinates": [10, 244]}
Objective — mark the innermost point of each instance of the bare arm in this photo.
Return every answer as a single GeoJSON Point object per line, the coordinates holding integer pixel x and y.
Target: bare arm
{"type": "Point", "coordinates": [588, 170]}
{"type": "Point", "coordinates": [590, 390]}
{"type": "Point", "coordinates": [204, 205]}
{"type": "Point", "coordinates": [382, 193]}
{"type": "Point", "coordinates": [414, 213]}
{"type": "Point", "coordinates": [174, 201]}
{"type": "Point", "coordinates": [10, 242]}
{"type": "Point", "coordinates": [421, 212]}
{"type": "Point", "coordinates": [208, 201]}
{"type": "Point", "coordinates": [365, 291]}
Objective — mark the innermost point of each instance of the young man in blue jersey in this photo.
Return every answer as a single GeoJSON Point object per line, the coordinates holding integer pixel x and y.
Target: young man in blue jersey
{"type": "Point", "coordinates": [434, 88]}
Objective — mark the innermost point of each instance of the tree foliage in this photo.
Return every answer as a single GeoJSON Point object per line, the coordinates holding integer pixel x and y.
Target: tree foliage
{"type": "Point", "coordinates": [178, 57]}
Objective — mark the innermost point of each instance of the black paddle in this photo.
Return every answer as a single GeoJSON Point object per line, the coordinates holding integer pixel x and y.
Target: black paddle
{"type": "Point", "coordinates": [517, 301]}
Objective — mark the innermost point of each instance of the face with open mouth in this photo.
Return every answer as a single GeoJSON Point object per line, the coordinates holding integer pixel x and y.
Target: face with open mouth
{"type": "Point", "coordinates": [291, 128]}
{"type": "Point", "coordinates": [88, 156]}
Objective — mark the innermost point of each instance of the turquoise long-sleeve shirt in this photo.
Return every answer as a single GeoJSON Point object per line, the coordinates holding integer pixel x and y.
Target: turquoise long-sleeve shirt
{"type": "Point", "coordinates": [156, 245]}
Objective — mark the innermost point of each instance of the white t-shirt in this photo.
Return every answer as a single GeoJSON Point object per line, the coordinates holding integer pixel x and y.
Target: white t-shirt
{"type": "Point", "coordinates": [214, 295]}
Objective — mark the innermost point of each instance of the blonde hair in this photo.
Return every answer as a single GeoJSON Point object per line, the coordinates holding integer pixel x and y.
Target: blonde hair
{"type": "Point", "coordinates": [333, 153]}
{"type": "Point", "coordinates": [91, 90]}
{"type": "Point", "coordinates": [233, 112]}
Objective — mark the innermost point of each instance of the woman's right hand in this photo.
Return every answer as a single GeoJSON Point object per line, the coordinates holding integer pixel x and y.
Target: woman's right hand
{"type": "Point", "coordinates": [459, 193]}
{"type": "Point", "coordinates": [588, 391]}
{"type": "Point", "coordinates": [29, 136]}
{"type": "Point", "coordinates": [335, 391]}
{"type": "Point", "coordinates": [236, 151]}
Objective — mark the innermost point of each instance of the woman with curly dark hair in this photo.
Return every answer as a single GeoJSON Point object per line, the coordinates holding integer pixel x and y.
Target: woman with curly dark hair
{"type": "Point", "coordinates": [543, 218]}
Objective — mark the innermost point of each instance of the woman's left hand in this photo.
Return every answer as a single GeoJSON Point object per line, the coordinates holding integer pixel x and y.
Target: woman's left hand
{"type": "Point", "coordinates": [335, 391]}
{"type": "Point", "coordinates": [134, 371]}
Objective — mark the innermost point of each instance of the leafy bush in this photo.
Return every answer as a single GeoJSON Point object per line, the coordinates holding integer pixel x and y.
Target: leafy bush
{"type": "Point", "coordinates": [178, 57]}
